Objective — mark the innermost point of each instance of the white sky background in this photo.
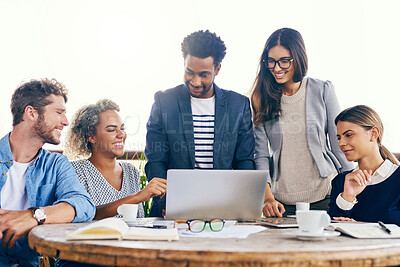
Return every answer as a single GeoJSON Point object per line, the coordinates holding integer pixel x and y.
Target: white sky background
{"type": "Point", "coordinates": [128, 50]}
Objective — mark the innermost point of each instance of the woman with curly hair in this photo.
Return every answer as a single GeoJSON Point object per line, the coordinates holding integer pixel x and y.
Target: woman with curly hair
{"type": "Point", "coordinates": [97, 137]}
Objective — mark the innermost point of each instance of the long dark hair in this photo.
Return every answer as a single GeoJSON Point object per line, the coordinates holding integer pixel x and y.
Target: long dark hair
{"type": "Point", "coordinates": [266, 93]}
{"type": "Point", "coordinates": [367, 118]}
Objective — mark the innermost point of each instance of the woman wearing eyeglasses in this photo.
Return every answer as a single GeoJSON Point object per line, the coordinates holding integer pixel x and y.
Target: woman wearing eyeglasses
{"type": "Point", "coordinates": [294, 127]}
{"type": "Point", "coordinates": [371, 192]}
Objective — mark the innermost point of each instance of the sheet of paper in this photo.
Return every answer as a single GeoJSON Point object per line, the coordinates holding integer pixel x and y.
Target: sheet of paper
{"type": "Point", "coordinates": [234, 231]}
{"type": "Point", "coordinates": [138, 233]}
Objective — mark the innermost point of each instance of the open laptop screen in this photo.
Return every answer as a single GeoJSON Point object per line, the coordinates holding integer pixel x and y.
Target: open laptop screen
{"type": "Point", "coordinates": [206, 194]}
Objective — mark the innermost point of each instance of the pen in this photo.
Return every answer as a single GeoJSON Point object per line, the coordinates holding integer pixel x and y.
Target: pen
{"type": "Point", "coordinates": [384, 228]}
{"type": "Point", "coordinates": [152, 226]}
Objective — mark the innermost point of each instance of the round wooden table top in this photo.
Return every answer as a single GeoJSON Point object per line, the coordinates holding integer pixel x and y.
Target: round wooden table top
{"type": "Point", "coordinates": [270, 247]}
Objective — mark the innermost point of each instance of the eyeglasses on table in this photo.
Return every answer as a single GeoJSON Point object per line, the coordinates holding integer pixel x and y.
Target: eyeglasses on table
{"type": "Point", "coordinates": [199, 225]}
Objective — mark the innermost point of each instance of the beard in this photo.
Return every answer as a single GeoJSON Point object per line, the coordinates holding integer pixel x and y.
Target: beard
{"type": "Point", "coordinates": [45, 132]}
{"type": "Point", "coordinates": [203, 93]}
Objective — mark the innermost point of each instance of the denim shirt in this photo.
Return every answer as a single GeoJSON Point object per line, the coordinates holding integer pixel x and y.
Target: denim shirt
{"type": "Point", "coordinates": [51, 179]}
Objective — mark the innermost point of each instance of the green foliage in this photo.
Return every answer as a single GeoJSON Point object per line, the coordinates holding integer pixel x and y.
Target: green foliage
{"type": "Point", "coordinates": [143, 183]}
{"type": "Point", "coordinates": [143, 180]}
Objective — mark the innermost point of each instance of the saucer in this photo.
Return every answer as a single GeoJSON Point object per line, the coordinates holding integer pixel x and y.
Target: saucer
{"type": "Point", "coordinates": [132, 223]}
{"type": "Point", "coordinates": [310, 236]}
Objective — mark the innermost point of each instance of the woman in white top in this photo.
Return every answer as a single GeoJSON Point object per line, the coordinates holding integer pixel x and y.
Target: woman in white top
{"type": "Point", "coordinates": [97, 134]}
{"type": "Point", "coordinates": [294, 128]}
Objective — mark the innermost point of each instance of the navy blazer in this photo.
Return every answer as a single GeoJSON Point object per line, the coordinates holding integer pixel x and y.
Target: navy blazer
{"type": "Point", "coordinates": [170, 137]}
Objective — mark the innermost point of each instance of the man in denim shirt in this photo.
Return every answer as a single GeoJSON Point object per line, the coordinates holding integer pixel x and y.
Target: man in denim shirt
{"type": "Point", "coordinates": [36, 186]}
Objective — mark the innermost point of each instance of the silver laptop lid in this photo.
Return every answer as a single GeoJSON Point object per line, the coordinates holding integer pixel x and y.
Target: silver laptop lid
{"type": "Point", "coordinates": [206, 194]}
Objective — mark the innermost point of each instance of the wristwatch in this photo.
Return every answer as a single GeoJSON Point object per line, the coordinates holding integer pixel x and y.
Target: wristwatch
{"type": "Point", "coordinates": [39, 214]}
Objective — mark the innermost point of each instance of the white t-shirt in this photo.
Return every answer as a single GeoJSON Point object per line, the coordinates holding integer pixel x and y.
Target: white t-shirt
{"type": "Point", "coordinates": [203, 111]}
{"type": "Point", "coordinates": [13, 193]}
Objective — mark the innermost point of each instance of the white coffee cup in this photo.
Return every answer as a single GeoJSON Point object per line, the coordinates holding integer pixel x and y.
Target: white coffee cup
{"type": "Point", "coordinates": [128, 212]}
{"type": "Point", "coordinates": [302, 206]}
{"type": "Point", "coordinates": [312, 221]}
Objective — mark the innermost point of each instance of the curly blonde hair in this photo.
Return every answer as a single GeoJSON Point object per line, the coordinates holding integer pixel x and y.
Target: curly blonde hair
{"type": "Point", "coordinates": [82, 126]}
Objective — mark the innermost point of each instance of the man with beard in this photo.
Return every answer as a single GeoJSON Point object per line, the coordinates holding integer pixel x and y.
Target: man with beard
{"type": "Point", "coordinates": [36, 186]}
{"type": "Point", "coordinates": [198, 125]}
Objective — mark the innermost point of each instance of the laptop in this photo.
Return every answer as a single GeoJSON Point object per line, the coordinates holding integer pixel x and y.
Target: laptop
{"type": "Point", "coordinates": [206, 194]}
{"type": "Point", "coordinates": [284, 222]}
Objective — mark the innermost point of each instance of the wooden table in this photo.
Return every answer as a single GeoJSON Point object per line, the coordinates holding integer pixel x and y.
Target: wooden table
{"type": "Point", "coordinates": [267, 248]}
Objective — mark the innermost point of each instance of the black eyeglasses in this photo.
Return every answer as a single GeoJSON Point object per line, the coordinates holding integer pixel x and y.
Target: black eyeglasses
{"type": "Point", "coordinates": [198, 225]}
{"type": "Point", "coordinates": [283, 63]}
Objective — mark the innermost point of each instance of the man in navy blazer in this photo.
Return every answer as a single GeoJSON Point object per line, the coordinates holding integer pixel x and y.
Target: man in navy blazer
{"type": "Point", "coordinates": [197, 125]}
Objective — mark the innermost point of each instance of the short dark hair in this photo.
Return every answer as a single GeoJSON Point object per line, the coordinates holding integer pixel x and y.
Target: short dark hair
{"type": "Point", "coordinates": [203, 44]}
{"type": "Point", "coordinates": [35, 93]}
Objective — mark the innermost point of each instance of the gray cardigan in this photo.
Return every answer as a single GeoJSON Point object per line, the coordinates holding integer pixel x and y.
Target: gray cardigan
{"type": "Point", "coordinates": [322, 107]}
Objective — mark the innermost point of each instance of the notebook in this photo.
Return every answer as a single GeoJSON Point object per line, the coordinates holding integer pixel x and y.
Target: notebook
{"type": "Point", "coordinates": [284, 222]}
{"type": "Point", "coordinates": [366, 230]}
{"type": "Point", "coordinates": [115, 228]}
{"type": "Point", "coordinates": [205, 194]}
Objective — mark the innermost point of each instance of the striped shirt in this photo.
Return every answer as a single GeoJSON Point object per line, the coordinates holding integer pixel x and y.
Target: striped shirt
{"type": "Point", "coordinates": [203, 111]}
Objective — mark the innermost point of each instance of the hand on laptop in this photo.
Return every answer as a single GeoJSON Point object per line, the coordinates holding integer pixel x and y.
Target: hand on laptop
{"type": "Point", "coordinates": [156, 187]}
{"type": "Point", "coordinates": [273, 208]}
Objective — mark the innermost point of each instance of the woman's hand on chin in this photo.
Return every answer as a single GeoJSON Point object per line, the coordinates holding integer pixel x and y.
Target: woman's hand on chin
{"type": "Point", "coordinates": [355, 182]}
